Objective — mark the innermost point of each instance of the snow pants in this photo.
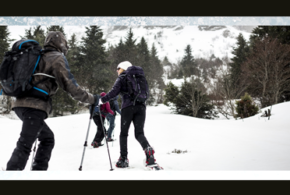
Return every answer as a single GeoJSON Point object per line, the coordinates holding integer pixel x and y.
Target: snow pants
{"type": "Point", "coordinates": [100, 133]}
{"type": "Point", "coordinates": [33, 127]}
{"type": "Point", "coordinates": [137, 114]}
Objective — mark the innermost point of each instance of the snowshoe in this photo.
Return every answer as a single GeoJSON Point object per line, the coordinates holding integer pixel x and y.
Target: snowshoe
{"type": "Point", "coordinates": [110, 140]}
{"type": "Point", "coordinates": [123, 162]}
{"type": "Point", "coordinates": [149, 152]}
{"type": "Point", "coordinates": [96, 144]}
{"type": "Point", "coordinates": [154, 167]}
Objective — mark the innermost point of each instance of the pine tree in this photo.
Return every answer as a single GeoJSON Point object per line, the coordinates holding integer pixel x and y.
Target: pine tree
{"type": "Point", "coordinates": [130, 48]}
{"type": "Point", "coordinates": [4, 47]}
{"type": "Point", "coordinates": [143, 57]}
{"type": "Point", "coordinates": [165, 62]}
{"type": "Point", "coordinates": [4, 41]}
{"type": "Point", "coordinates": [56, 28]}
{"type": "Point", "coordinates": [240, 54]}
{"type": "Point", "coordinates": [157, 74]}
{"type": "Point", "coordinates": [119, 53]}
{"type": "Point", "coordinates": [188, 63]}
{"type": "Point", "coordinates": [37, 34]}
{"type": "Point", "coordinates": [280, 32]}
{"type": "Point", "coordinates": [93, 61]}
{"type": "Point", "coordinates": [189, 100]}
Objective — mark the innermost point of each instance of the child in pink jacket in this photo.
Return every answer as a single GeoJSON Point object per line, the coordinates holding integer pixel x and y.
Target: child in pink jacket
{"type": "Point", "coordinates": [105, 109]}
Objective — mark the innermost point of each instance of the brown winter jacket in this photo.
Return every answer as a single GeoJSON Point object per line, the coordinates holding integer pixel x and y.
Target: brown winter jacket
{"type": "Point", "coordinates": [55, 64]}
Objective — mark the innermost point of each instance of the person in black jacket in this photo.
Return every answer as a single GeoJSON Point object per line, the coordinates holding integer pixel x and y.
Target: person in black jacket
{"type": "Point", "coordinates": [129, 113]}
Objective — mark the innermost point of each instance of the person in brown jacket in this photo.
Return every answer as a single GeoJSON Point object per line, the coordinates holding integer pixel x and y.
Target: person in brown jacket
{"type": "Point", "coordinates": [53, 68]}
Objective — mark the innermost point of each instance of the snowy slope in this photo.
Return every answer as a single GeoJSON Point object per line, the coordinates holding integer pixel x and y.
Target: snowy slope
{"type": "Point", "coordinates": [170, 41]}
{"type": "Point", "coordinates": [253, 148]}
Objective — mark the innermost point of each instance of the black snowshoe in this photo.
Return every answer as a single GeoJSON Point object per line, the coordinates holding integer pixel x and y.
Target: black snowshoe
{"type": "Point", "coordinates": [123, 162]}
{"type": "Point", "coordinates": [150, 160]}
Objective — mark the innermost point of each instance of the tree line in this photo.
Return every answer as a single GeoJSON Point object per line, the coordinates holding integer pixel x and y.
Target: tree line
{"type": "Point", "coordinates": [259, 68]}
{"type": "Point", "coordinates": [259, 72]}
{"type": "Point", "coordinates": [93, 65]}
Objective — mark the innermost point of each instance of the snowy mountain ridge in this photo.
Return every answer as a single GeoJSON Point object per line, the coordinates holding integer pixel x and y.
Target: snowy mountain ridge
{"type": "Point", "coordinates": [169, 41]}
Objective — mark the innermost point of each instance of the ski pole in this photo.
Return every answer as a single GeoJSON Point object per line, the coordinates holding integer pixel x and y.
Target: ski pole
{"type": "Point", "coordinates": [33, 154]}
{"type": "Point", "coordinates": [105, 139]}
{"type": "Point", "coordinates": [114, 131]}
{"type": "Point", "coordinates": [85, 145]}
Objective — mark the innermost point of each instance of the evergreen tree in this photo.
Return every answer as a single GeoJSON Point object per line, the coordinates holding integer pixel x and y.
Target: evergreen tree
{"type": "Point", "coordinates": [93, 61]}
{"type": "Point", "coordinates": [143, 57]}
{"type": "Point", "coordinates": [130, 48]}
{"type": "Point", "coordinates": [37, 34]}
{"type": "Point", "coordinates": [188, 64]}
{"type": "Point", "coordinates": [56, 28]}
{"type": "Point", "coordinates": [4, 41]}
{"type": "Point", "coordinates": [4, 47]}
{"type": "Point", "coordinates": [240, 54]}
{"type": "Point", "coordinates": [165, 62]}
{"type": "Point", "coordinates": [119, 53]}
{"type": "Point", "coordinates": [280, 32]}
{"type": "Point", "coordinates": [157, 74]}
{"type": "Point", "coordinates": [189, 100]}
{"type": "Point", "coordinates": [246, 107]}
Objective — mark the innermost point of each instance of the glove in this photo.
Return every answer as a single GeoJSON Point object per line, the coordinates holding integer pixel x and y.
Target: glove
{"type": "Point", "coordinates": [100, 102]}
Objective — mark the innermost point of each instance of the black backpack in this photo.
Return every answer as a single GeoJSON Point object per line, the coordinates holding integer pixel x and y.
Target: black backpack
{"type": "Point", "coordinates": [18, 67]}
{"type": "Point", "coordinates": [136, 84]}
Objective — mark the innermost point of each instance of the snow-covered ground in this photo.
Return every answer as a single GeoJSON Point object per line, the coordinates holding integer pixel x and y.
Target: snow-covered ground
{"type": "Point", "coordinates": [249, 149]}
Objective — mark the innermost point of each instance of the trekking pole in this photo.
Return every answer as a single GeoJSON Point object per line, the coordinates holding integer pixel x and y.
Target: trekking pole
{"type": "Point", "coordinates": [85, 145]}
{"type": "Point", "coordinates": [114, 132]}
{"type": "Point", "coordinates": [33, 154]}
{"type": "Point", "coordinates": [105, 139]}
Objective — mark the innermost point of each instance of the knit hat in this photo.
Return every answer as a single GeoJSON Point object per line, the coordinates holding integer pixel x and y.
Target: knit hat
{"type": "Point", "coordinates": [103, 94]}
{"type": "Point", "coordinates": [124, 65]}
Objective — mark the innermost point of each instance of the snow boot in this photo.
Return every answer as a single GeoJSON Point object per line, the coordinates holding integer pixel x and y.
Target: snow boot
{"type": "Point", "coordinates": [96, 144]}
{"type": "Point", "coordinates": [109, 140]}
{"type": "Point", "coordinates": [149, 152]}
{"type": "Point", "coordinates": [123, 162]}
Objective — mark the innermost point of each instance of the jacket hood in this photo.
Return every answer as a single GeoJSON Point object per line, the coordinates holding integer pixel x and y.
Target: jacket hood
{"type": "Point", "coordinates": [57, 40]}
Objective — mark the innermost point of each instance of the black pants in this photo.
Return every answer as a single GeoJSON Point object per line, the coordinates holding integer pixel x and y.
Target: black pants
{"type": "Point", "coordinates": [33, 127]}
{"type": "Point", "coordinates": [137, 114]}
{"type": "Point", "coordinates": [100, 132]}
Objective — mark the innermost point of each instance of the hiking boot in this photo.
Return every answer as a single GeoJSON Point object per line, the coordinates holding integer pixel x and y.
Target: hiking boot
{"type": "Point", "coordinates": [109, 140]}
{"type": "Point", "coordinates": [96, 144]}
{"type": "Point", "coordinates": [149, 152]}
{"type": "Point", "coordinates": [123, 162]}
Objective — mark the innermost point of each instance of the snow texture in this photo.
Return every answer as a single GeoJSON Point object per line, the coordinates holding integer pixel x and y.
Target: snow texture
{"type": "Point", "coordinates": [187, 148]}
